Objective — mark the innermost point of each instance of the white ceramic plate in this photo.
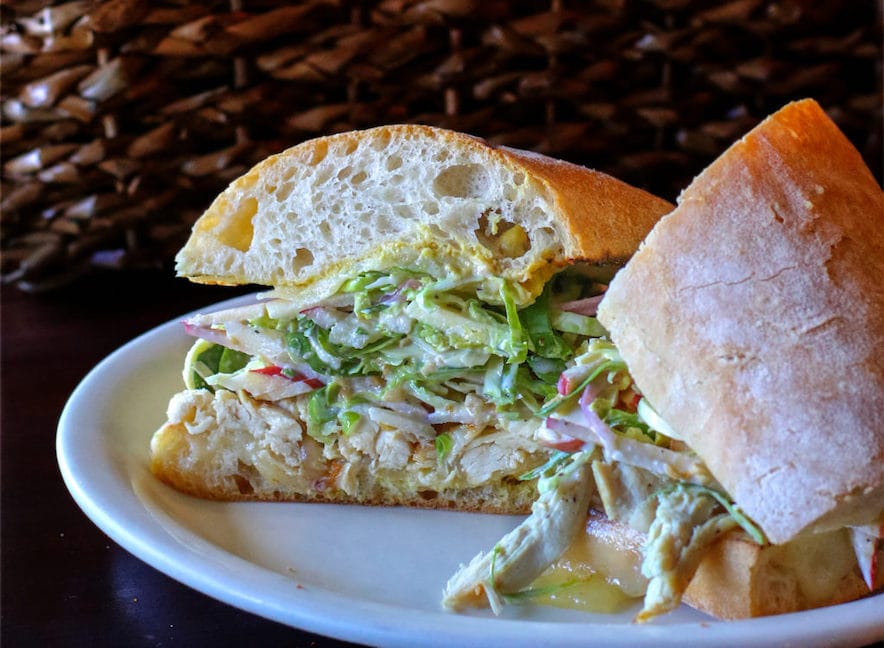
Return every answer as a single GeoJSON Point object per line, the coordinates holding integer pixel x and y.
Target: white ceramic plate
{"type": "Point", "coordinates": [369, 575]}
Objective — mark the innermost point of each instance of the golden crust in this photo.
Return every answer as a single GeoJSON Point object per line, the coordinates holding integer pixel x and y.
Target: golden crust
{"type": "Point", "coordinates": [605, 218]}
{"type": "Point", "coordinates": [753, 319]}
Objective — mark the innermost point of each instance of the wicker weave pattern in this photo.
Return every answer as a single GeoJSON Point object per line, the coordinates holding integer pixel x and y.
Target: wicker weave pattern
{"type": "Point", "coordinates": [122, 119]}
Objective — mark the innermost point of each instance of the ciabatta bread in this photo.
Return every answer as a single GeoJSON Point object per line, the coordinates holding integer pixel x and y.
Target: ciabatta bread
{"type": "Point", "coordinates": [388, 195]}
{"type": "Point", "coordinates": [752, 318]}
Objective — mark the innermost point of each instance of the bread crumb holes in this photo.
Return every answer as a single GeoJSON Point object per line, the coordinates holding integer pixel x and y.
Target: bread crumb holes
{"type": "Point", "coordinates": [462, 181]}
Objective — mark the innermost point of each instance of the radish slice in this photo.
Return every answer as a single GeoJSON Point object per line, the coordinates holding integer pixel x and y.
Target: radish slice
{"type": "Point", "coordinates": [865, 544]}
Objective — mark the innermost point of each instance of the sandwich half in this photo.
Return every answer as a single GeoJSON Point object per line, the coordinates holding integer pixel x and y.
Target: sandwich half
{"type": "Point", "coordinates": [428, 289]}
{"type": "Point", "coordinates": [734, 446]}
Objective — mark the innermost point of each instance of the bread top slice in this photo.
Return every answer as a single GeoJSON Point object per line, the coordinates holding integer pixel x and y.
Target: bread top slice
{"type": "Point", "coordinates": [752, 318]}
{"type": "Point", "coordinates": [415, 196]}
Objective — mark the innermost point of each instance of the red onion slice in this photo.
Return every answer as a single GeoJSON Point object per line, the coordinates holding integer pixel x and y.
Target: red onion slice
{"type": "Point", "coordinates": [605, 435]}
{"type": "Point", "coordinates": [398, 296]}
{"type": "Point", "coordinates": [571, 378]}
{"type": "Point", "coordinates": [217, 336]}
{"type": "Point", "coordinates": [550, 438]}
{"type": "Point", "coordinates": [865, 541]}
{"type": "Point", "coordinates": [571, 430]}
{"type": "Point", "coordinates": [661, 461]}
{"type": "Point", "coordinates": [588, 306]}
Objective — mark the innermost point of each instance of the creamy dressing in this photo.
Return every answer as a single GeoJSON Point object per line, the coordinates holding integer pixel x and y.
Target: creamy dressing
{"type": "Point", "coordinates": [602, 567]}
{"type": "Point", "coordinates": [590, 592]}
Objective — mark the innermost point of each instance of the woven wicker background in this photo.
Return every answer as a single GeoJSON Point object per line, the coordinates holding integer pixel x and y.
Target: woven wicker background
{"type": "Point", "coordinates": [122, 119]}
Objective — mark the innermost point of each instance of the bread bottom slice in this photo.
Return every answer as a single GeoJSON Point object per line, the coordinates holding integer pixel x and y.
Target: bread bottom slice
{"type": "Point", "coordinates": [737, 578]}
{"type": "Point", "coordinates": [228, 446]}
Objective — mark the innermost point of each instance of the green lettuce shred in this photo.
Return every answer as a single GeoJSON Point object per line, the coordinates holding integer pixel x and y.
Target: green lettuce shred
{"type": "Point", "coordinates": [322, 412]}
{"type": "Point", "coordinates": [751, 529]}
{"type": "Point", "coordinates": [548, 469]}
{"type": "Point", "coordinates": [621, 419]}
{"type": "Point", "coordinates": [443, 443]}
{"type": "Point", "coordinates": [518, 346]}
{"type": "Point", "coordinates": [545, 342]}
{"type": "Point", "coordinates": [215, 359]}
{"type": "Point", "coordinates": [577, 323]}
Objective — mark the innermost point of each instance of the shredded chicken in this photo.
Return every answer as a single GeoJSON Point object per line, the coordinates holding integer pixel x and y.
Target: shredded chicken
{"type": "Point", "coordinates": [522, 555]}
{"type": "Point", "coordinates": [627, 492]}
{"type": "Point", "coordinates": [684, 526]}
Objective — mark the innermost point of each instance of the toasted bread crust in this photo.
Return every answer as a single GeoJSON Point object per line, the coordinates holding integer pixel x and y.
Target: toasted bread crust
{"type": "Point", "coordinates": [605, 218]}
{"type": "Point", "coordinates": [753, 319]}
{"type": "Point", "coordinates": [739, 579]}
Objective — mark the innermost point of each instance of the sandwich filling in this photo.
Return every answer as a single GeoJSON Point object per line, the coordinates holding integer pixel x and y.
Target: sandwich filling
{"type": "Point", "coordinates": [401, 382]}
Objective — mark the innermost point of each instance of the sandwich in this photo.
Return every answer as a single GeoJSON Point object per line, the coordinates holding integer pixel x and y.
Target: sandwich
{"type": "Point", "coordinates": [726, 432]}
{"type": "Point", "coordinates": [425, 291]}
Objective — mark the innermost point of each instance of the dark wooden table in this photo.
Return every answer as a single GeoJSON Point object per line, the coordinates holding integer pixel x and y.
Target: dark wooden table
{"type": "Point", "coordinates": [64, 583]}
